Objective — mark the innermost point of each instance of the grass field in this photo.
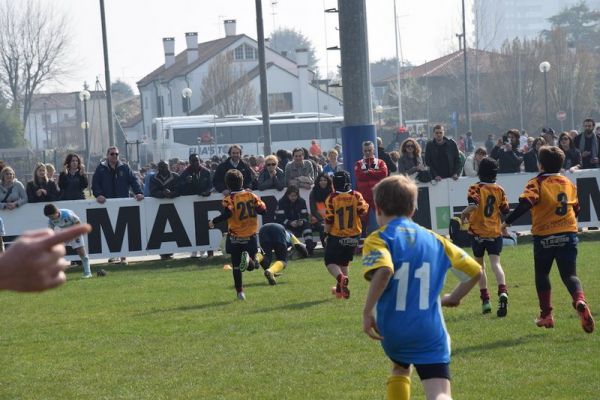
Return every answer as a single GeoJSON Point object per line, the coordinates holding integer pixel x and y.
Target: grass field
{"type": "Point", "coordinates": [173, 330]}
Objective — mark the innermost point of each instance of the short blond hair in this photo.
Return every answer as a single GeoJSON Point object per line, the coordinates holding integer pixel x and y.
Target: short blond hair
{"type": "Point", "coordinates": [396, 195]}
{"type": "Point", "coordinates": [271, 157]}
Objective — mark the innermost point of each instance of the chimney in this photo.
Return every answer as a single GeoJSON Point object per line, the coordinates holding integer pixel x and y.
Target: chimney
{"type": "Point", "coordinates": [302, 58]}
{"type": "Point", "coordinates": [303, 83]}
{"type": "Point", "coordinates": [169, 47]}
{"type": "Point", "coordinates": [229, 27]}
{"type": "Point", "coordinates": [191, 41]}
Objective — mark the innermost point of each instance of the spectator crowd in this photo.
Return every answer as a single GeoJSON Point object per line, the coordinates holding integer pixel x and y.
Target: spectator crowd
{"type": "Point", "coordinates": [311, 169]}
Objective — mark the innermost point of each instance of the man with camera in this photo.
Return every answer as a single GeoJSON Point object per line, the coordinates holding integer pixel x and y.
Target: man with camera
{"type": "Point", "coordinates": [507, 153]}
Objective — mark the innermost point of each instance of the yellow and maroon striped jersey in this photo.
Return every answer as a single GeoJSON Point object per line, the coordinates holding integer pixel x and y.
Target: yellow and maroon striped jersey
{"type": "Point", "coordinates": [244, 207]}
{"type": "Point", "coordinates": [343, 211]}
{"type": "Point", "coordinates": [490, 200]}
{"type": "Point", "coordinates": [554, 204]}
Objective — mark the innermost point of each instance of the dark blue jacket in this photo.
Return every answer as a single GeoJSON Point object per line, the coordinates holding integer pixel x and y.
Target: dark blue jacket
{"type": "Point", "coordinates": [114, 184]}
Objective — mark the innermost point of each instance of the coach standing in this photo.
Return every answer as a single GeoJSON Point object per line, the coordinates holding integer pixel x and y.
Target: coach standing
{"type": "Point", "coordinates": [112, 180]}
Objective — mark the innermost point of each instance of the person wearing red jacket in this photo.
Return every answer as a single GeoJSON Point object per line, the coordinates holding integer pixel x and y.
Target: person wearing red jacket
{"type": "Point", "coordinates": [368, 172]}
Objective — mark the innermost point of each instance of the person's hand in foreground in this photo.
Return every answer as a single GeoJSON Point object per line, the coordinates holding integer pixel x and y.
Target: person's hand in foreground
{"type": "Point", "coordinates": [34, 262]}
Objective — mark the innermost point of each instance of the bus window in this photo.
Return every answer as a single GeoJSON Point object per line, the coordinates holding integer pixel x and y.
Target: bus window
{"type": "Point", "coordinates": [245, 134]}
{"type": "Point", "coordinates": [279, 133]}
{"type": "Point", "coordinates": [224, 135]}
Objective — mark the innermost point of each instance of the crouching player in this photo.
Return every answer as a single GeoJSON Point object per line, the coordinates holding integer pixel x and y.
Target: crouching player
{"type": "Point", "coordinates": [344, 209]}
{"type": "Point", "coordinates": [406, 265]}
{"type": "Point", "coordinates": [240, 209]}
{"type": "Point", "coordinates": [486, 201]}
{"type": "Point", "coordinates": [554, 206]}
{"type": "Point", "coordinates": [274, 238]}
{"type": "Point", "coordinates": [64, 218]}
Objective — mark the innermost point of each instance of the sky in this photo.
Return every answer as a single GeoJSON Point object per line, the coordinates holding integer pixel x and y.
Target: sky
{"type": "Point", "coordinates": [135, 30]}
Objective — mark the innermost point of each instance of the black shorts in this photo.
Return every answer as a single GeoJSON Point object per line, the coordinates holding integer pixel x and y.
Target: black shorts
{"type": "Point", "coordinates": [480, 245]}
{"type": "Point", "coordinates": [340, 250]}
{"type": "Point", "coordinates": [430, 371]}
{"type": "Point", "coordinates": [236, 246]}
{"type": "Point", "coordinates": [561, 247]}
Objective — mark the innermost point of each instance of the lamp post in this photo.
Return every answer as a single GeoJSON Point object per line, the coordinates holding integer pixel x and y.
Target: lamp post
{"type": "Point", "coordinates": [186, 93]}
{"type": "Point", "coordinates": [545, 67]}
{"type": "Point", "coordinates": [379, 111]}
{"type": "Point", "coordinates": [84, 96]}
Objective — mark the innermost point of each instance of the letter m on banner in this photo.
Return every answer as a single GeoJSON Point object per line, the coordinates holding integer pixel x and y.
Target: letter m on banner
{"type": "Point", "coordinates": [127, 218]}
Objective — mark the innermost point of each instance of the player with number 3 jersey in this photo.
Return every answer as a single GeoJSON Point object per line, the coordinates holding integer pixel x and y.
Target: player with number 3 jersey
{"type": "Point", "coordinates": [344, 209]}
{"type": "Point", "coordinates": [554, 206]}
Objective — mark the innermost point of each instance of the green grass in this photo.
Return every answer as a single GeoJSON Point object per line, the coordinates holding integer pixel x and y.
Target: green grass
{"type": "Point", "coordinates": [173, 330]}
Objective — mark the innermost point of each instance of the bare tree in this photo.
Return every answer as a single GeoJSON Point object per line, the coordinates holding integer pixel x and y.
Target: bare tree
{"type": "Point", "coordinates": [34, 43]}
{"type": "Point", "coordinates": [226, 85]}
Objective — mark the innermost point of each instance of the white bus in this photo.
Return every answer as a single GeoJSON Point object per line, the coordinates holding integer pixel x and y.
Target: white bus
{"type": "Point", "coordinates": [207, 135]}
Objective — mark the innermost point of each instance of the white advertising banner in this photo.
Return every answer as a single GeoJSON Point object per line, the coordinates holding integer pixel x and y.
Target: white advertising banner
{"type": "Point", "coordinates": [125, 227]}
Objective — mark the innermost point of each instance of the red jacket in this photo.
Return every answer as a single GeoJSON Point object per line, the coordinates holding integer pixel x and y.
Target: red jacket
{"type": "Point", "coordinates": [368, 173]}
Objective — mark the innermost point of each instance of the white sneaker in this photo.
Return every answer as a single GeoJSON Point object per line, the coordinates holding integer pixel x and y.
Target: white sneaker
{"type": "Point", "coordinates": [124, 261]}
{"type": "Point", "coordinates": [88, 276]}
{"type": "Point", "coordinates": [114, 260]}
{"type": "Point", "coordinates": [241, 296]}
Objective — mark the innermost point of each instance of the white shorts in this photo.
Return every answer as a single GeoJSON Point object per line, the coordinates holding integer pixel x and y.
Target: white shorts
{"type": "Point", "coordinates": [76, 243]}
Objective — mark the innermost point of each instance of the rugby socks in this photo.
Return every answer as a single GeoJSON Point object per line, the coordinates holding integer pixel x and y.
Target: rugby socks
{"type": "Point", "coordinates": [398, 388]}
{"type": "Point", "coordinates": [577, 296]}
{"type": "Point", "coordinates": [294, 240]}
{"type": "Point", "coordinates": [502, 289]}
{"type": "Point", "coordinates": [259, 258]}
{"type": "Point", "coordinates": [545, 302]}
{"type": "Point", "coordinates": [277, 267]}
{"type": "Point", "coordinates": [85, 261]}
{"type": "Point", "coordinates": [237, 278]}
{"type": "Point", "coordinates": [484, 295]}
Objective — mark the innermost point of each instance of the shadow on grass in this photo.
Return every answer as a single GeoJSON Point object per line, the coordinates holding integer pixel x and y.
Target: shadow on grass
{"type": "Point", "coordinates": [291, 307]}
{"type": "Point", "coordinates": [194, 307]}
{"type": "Point", "coordinates": [152, 265]}
{"type": "Point", "coordinates": [499, 344]}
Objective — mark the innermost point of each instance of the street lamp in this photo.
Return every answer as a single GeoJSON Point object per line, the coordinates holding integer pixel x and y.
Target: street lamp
{"type": "Point", "coordinates": [545, 67]}
{"type": "Point", "coordinates": [379, 111]}
{"type": "Point", "coordinates": [186, 93]}
{"type": "Point", "coordinates": [84, 96]}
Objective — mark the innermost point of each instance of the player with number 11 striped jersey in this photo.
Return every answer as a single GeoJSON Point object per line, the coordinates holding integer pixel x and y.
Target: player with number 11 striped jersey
{"type": "Point", "coordinates": [409, 315]}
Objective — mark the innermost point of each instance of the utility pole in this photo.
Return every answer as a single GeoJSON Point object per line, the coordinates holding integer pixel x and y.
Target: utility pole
{"type": "Point", "coordinates": [264, 96]}
{"type": "Point", "coordinates": [109, 109]}
{"type": "Point", "coordinates": [464, 38]}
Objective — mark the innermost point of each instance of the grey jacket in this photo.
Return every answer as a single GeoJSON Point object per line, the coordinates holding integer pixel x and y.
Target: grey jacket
{"type": "Point", "coordinates": [17, 194]}
{"type": "Point", "coordinates": [265, 181]}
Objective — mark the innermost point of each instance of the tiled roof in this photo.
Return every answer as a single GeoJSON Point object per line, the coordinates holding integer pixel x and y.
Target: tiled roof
{"type": "Point", "coordinates": [54, 100]}
{"type": "Point", "coordinates": [448, 65]}
{"type": "Point", "coordinates": [206, 51]}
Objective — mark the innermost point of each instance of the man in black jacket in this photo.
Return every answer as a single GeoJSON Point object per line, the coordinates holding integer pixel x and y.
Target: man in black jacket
{"type": "Point", "coordinates": [441, 156]}
{"type": "Point", "coordinates": [234, 161]}
{"type": "Point", "coordinates": [195, 179]}
{"type": "Point", "coordinates": [384, 155]}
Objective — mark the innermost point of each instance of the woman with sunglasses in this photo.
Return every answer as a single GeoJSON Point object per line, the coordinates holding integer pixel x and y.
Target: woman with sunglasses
{"type": "Point", "coordinates": [410, 161]}
{"type": "Point", "coordinates": [271, 177]}
{"type": "Point", "coordinates": [572, 155]}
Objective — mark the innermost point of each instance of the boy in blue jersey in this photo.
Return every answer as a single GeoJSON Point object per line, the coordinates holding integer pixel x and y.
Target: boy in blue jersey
{"type": "Point", "coordinates": [63, 218]}
{"type": "Point", "coordinates": [406, 265]}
